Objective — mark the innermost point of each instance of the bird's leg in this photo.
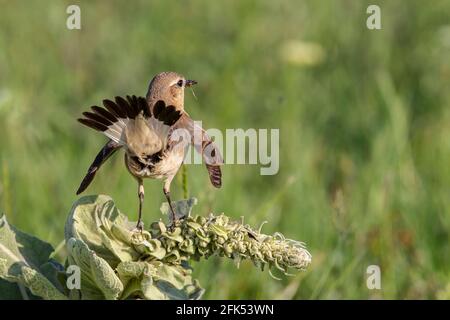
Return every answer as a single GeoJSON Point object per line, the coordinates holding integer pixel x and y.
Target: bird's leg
{"type": "Point", "coordinates": [140, 225]}
{"type": "Point", "coordinates": [172, 212]}
{"type": "Point", "coordinates": [166, 191]}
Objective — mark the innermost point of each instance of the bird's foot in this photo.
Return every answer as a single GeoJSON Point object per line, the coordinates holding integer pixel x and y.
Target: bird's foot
{"type": "Point", "coordinates": [173, 221]}
{"type": "Point", "coordinates": [139, 226]}
{"type": "Point", "coordinates": [173, 225]}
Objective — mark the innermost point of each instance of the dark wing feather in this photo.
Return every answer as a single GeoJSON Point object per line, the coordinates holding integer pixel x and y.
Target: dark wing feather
{"type": "Point", "coordinates": [106, 152]}
{"type": "Point", "coordinates": [134, 105]}
{"type": "Point", "coordinates": [158, 108]}
{"type": "Point", "coordinates": [143, 105]}
{"type": "Point", "coordinates": [126, 107]}
{"type": "Point", "coordinates": [114, 118]}
{"type": "Point", "coordinates": [114, 109]}
{"type": "Point", "coordinates": [215, 175]}
{"type": "Point", "coordinates": [169, 115]}
{"type": "Point", "coordinates": [93, 124]}
{"type": "Point", "coordinates": [98, 118]}
{"type": "Point", "coordinates": [104, 113]}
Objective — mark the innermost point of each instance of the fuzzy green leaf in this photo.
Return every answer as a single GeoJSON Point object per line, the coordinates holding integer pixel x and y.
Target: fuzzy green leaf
{"type": "Point", "coordinates": [97, 222]}
{"type": "Point", "coordinates": [98, 279]}
{"type": "Point", "coordinates": [25, 259]}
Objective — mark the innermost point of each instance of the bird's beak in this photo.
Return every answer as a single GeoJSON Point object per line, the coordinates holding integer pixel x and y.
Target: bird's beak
{"type": "Point", "coordinates": [190, 83]}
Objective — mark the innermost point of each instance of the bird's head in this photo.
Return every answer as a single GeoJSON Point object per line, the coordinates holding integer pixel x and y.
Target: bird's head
{"type": "Point", "coordinates": [169, 87]}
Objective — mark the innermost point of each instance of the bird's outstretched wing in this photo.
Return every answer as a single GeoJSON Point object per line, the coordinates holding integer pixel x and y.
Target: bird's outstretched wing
{"type": "Point", "coordinates": [205, 146]}
{"type": "Point", "coordinates": [122, 113]}
{"type": "Point", "coordinates": [113, 120]}
{"type": "Point", "coordinates": [116, 117]}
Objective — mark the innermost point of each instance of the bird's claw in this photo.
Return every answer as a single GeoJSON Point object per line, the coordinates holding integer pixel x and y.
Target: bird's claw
{"type": "Point", "coordinates": [139, 226]}
{"type": "Point", "coordinates": [173, 224]}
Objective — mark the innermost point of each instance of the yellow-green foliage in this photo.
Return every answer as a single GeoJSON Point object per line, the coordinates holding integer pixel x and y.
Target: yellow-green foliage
{"type": "Point", "coordinates": [108, 258]}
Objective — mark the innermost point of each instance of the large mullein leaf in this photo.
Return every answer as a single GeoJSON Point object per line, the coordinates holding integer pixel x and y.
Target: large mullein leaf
{"type": "Point", "coordinates": [96, 228]}
{"type": "Point", "coordinates": [24, 259]}
{"type": "Point", "coordinates": [98, 279]}
{"type": "Point", "coordinates": [97, 222]}
{"type": "Point", "coordinates": [176, 283]}
{"type": "Point", "coordinates": [158, 281]}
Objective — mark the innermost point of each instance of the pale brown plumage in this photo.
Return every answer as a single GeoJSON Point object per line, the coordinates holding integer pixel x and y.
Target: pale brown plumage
{"type": "Point", "coordinates": [146, 128]}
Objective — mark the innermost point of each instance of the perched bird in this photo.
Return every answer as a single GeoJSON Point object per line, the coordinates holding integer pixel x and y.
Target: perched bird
{"type": "Point", "coordinates": [148, 130]}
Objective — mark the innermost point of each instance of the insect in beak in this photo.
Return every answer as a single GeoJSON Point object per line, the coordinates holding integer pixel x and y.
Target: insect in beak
{"type": "Point", "coordinates": [190, 83]}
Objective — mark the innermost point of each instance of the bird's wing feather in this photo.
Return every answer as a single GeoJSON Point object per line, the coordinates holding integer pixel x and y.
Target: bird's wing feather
{"type": "Point", "coordinates": [106, 152]}
{"type": "Point", "coordinates": [116, 117]}
{"type": "Point", "coordinates": [122, 113]}
{"type": "Point", "coordinates": [203, 144]}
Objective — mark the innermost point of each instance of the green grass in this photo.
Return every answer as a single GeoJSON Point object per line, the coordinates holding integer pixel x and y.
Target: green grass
{"type": "Point", "coordinates": [364, 133]}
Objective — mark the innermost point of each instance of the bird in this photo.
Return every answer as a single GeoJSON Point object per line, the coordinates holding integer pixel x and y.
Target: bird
{"type": "Point", "coordinates": [148, 129]}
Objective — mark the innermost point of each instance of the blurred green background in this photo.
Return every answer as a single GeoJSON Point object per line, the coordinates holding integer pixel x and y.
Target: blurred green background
{"type": "Point", "coordinates": [364, 123]}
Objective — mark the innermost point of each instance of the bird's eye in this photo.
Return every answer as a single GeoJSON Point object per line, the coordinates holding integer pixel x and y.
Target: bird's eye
{"type": "Point", "coordinates": [180, 83]}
